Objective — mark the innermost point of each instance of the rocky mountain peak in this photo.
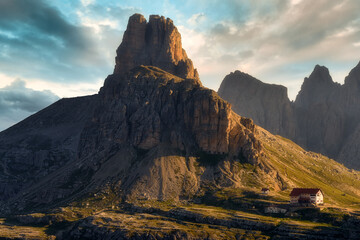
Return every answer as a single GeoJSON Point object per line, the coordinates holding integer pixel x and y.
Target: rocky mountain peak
{"type": "Point", "coordinates": [324, 118]}
{"type": "Point", "coordinates": [320, 74]}
{"type": "Point", "coordinates": [249, 96]}
{"type": "Point", "coordinates": [240, 80]}
{"type": "Point", "coordinates": [155, 43]}
{"type": "Point", "coordinates": [353, 79]}
{"type": "Point", "coordinates": [316, 88]}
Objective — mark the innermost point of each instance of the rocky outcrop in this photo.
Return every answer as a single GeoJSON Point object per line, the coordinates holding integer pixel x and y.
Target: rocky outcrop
{"type": "Point", "coordinates": [317, 88]}
{"type": "Point", "coordinates": [153, 98]}
{"type": "Point", "coordinates": [321, 121]}
{"type": "Point", "coordinates": [350, 103]}
{"type": "Point", "coordinates": [154, 43]}
{"type": "Point", "coordinates": [324, 117]}
{"type": "Point", "coordinates": [267, 104]}
{"type": "Point", "coordinates": [350, 150]}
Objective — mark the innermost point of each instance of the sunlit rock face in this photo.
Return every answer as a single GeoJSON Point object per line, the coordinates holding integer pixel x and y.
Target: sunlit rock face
{"type": "Point", "coordinates": [154, 43]}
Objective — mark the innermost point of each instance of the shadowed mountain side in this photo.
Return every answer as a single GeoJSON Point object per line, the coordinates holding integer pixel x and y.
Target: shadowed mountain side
{"type": "Point", "coordinates": [42, 143]}
{"type": "Point", "coordinates": [267, 104]}
{"type": "Point", "coordinates": [323, 118]}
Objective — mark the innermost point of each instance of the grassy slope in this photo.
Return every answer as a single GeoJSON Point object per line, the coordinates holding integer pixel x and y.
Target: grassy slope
{"type": "Point", "coordinates": [299, 168]}
{"type": "Point", "coordinates": [151, 216]}
{"type": "Point", "coordinates": [13, 231]}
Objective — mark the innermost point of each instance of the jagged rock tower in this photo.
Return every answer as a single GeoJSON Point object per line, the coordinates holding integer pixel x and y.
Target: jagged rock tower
{"type": "Point", "coordinates": [154, 43]}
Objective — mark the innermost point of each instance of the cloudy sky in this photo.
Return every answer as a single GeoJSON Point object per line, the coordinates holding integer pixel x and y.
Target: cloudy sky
{"type": "Point", "coordinates": [51, 49]}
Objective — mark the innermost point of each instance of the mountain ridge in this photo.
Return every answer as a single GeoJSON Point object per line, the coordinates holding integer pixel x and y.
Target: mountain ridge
{"type": "Point", "coordinates": [259, 96]}
{"type": "Point", "coordinates": [322, 118]}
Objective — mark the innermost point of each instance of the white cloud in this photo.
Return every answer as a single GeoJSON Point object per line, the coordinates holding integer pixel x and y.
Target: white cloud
{"type": "Point", "coordinates": [96, 24]}
{"type": "Point", "coordinates": [17, 102]}
{"type": "Point", "coordinates": [282, 44]}
{"type": "Point", "coordinates": [87, 2]}
{"type": "Point", "coordinates": [192, 40]}
{"type": "Point", "coordinates": [295, 2]}
{"type": "Point", "coordinates": [197, 19]}
{"type": "Point", "coordinates": [66, 90]}
{"type": "Point", "coordinates": [5, 80]}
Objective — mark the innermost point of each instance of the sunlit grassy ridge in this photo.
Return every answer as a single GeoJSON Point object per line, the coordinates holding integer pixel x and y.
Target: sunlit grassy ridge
{"type": "Point", "coordinates": [299, 168]}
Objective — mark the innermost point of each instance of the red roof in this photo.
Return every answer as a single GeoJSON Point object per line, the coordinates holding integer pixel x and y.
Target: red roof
{"type": "Point", "coordinates": [298, 191]}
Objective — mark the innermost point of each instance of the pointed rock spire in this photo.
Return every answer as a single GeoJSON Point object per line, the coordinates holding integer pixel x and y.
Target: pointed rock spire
{"type": "Point", "coordinates": [156, 43]}
{"type": "Point", "coordinates": [316, 88]}
{"type": "Point", "coordinates": [353, 79]}
{"type": "Point", "coordinates": [320, 74]}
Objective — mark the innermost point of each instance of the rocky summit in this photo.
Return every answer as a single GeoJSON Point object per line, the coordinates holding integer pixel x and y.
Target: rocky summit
{"type": "Point", "coordinates": [267, 104]}
{"type": "Point", "coordinates": [155, 43]}
{"type": "Point", "coordinates": [155, 155]}
{"type": "Point", "coordinates": [324, 117]}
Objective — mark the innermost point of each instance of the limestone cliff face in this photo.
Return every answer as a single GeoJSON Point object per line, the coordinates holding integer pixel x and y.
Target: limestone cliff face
{"type": "Point", "coordinates": [350, 104]}
{"type": "Point", "coordinates": [324, 117]}
{"type": "Point", "coordinates": [321, 121]}
{"type": "Point", "coordinates": [155, 107]}
{"type": "Point", "coordinates": [154, 43]}
{"type": "Point", "coordinates": [350, 149]}
{"type": "Point", "coordinates": [267, 104]}
{"type": "Point", "coordinates": [350, 95]}
{"type": "Point", "coordinates": [317, 88]}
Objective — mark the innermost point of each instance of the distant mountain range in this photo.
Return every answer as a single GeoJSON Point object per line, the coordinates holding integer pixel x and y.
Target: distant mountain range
{"type": "Point", "coordinates": [324, 118]}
